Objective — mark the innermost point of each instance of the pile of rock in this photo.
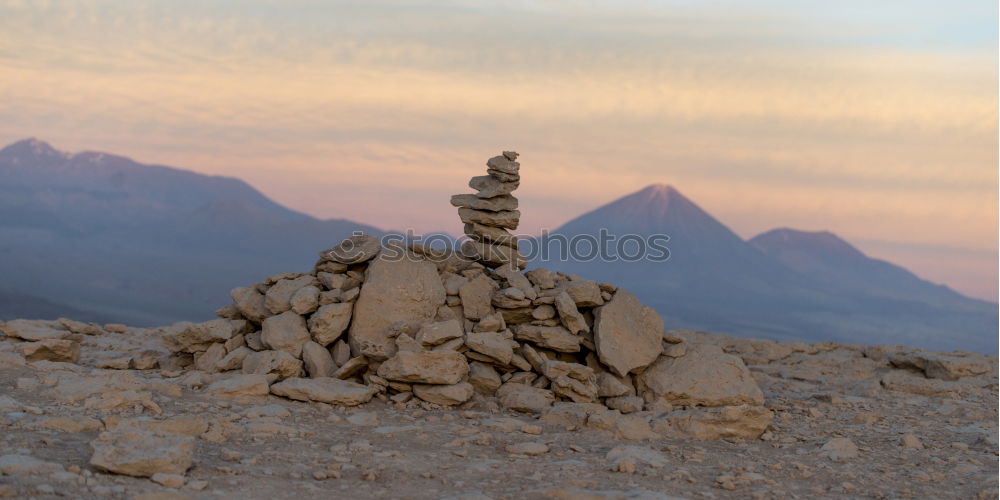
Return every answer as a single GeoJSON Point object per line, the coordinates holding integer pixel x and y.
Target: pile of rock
{"type": "Point", "coordinates": [416, 326]}
{"type": "Point", "coordinates": [491, 213]}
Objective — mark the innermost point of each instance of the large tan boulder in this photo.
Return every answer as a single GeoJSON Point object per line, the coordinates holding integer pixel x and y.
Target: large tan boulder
{"type": "Point", "coordinates": [61, 350]}
{"type": "Point", "coordinates": [325, 390]}
{"type": "Point", "coordinates": [33, 330]}
{"type": "Point", "coordinates": [329, 322]}
{"type": "Point", "coordinates": [705, 376]}
{"type": "Point", "coordinates": [398, 290]}
{"type": "Point", "coordinates": [285, 332]}
{"type": "Point", "coordinates": [628, 334]}
{"type": "Point", "coordinates": [426, 367]}
{"type": "Point", "coordinates": [142, 454]}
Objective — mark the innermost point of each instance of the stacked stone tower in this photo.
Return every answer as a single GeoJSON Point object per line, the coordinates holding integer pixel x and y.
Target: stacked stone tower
{"type": "Point", "coordinates": [491, 213]}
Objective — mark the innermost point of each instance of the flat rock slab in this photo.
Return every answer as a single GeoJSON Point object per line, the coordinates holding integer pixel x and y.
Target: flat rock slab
{"type": "Point", "coordinates": [325, 390]}
{"type": "Point", "coordinates": [397, 290]}
{"type": "Point", "coordinates": [142, 454]}
{"type": "Point", "coordinates": [628, 334]}
{"type": "Point", "coordinates": [426, 367]}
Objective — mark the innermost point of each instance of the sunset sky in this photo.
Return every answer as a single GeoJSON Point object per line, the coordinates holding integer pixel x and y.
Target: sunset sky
{"type": "Point", "coordinates": [874, 120]}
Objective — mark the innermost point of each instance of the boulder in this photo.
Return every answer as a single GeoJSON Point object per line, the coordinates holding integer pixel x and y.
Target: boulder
{"type": "Point", "coordinates": [306, 300]}
{"type": "Point", "coordinates": [191, 337]}
{"type": "Point", "coordinates": [705, 376]}
{"type": "Point", "coordinates": [444, 395]}
{"type": "Point", "coordinates": [250, 303]}
{"type": "Point", "coordinates": [477, 295]}
{"type": "Point", "coordinates": [397, 291]}
{"type": "Point", "coordinates": [945, 366]}
{"type": "Point", "coordinates": [491, 344]}
{"type": "Point", "coordinates": [285, 332]}
{"type": "Point", "coordinates": [524, 398]}
{"type": "Point", "coordinates": [208, 360]}
{"type": "Point", "coordinates": [425, 367]}
{"type": "Point", "coordinates": [329, 322]}
{"type": "Point", "coordinates": [484, 378]}
{"type": "Point", "coordinates": [585, 293]}
{"type": "Point", "coordinates": [569, 315]}
{"type": "Point", "coordinates": [59, 350]}
{"type": "Point", "coordinates": [33, 330]}
{"type": "Point", "coordinates": [317, 360]}
{"type": "Point", "coordinates": [325, 390]}
{"type": "Point", "coordinates": [278, 298]}
{"type": "Point", "coordinates": [279, 363]}
{"type": "Point", "coordinates": [627, 334]}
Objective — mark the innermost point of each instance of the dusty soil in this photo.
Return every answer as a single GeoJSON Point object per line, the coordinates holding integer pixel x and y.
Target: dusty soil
{"type": "Point", "coordinates": [916, 437]}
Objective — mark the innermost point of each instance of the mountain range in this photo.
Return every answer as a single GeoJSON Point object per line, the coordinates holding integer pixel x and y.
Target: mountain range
{"type": "Point", "coordinates": [102, 236]}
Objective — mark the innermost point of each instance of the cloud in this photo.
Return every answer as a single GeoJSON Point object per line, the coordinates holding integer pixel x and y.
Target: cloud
{"type": "Point", "coordinates": [875, 121]}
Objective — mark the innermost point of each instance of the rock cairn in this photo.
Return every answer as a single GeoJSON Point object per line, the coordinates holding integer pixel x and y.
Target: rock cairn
{"type": "Point", "coordinates": [491, 213]}
{"type": "Point", "coordinates": [416, 326]}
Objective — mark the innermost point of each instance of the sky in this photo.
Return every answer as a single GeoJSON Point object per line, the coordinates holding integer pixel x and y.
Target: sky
{"type": "Point", "coordinates": [874, 120]}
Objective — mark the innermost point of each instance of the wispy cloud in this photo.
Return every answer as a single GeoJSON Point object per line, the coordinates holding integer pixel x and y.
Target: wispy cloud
{"type": "Point", "coordinates": [877, 121]}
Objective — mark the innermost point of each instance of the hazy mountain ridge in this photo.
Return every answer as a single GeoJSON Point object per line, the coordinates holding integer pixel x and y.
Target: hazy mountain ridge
{"type": "Point", "coordinates": [145, 244]}
{"type": "Point", "coordinates": [783, 284]}
{"type": "Point", "coordinates": [148, 245]}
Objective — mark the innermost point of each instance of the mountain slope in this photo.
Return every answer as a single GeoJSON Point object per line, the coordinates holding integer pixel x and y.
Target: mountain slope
{"type": "Point", "coordinates": [142, 244]}
{"type": "Point", "coordinates": [716, 281]}
{"type": "Point", "coordinates": [826, 257]}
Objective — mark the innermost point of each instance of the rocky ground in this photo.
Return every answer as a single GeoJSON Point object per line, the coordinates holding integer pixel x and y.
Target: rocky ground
{"type": "Point", "coordinates": [849, 421]}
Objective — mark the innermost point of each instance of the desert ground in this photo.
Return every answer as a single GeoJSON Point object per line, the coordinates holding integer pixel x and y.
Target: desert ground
{"type": "Point", "coordinates": [849, 421]}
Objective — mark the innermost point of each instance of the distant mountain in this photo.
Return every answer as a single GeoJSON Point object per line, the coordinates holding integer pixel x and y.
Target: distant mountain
{"type": "Point", "coordinates": [15, 305]}
{"type": "Point", "coordinates": [819, 288]}
{"type": "Point", "coordinates": [825, 257]}
{"type": "Point", "coordinates": [143, 244]}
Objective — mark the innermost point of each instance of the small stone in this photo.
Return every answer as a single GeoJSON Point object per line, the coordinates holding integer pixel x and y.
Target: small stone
{"type": "Point", "coordinates": [839, 449]}
{"type": "Point", "coordinates": [168, 480]}
{"type": "Point", "coordinates": [317, 360]}
{"type": "Point", "coordinates": [530, 449]}
{"type": "Point", "coordinates": [239, 386]}
{"type": "Point", "coordinates": [911, 441]}
{"type": "Point", "coordinates": [433, 334]}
